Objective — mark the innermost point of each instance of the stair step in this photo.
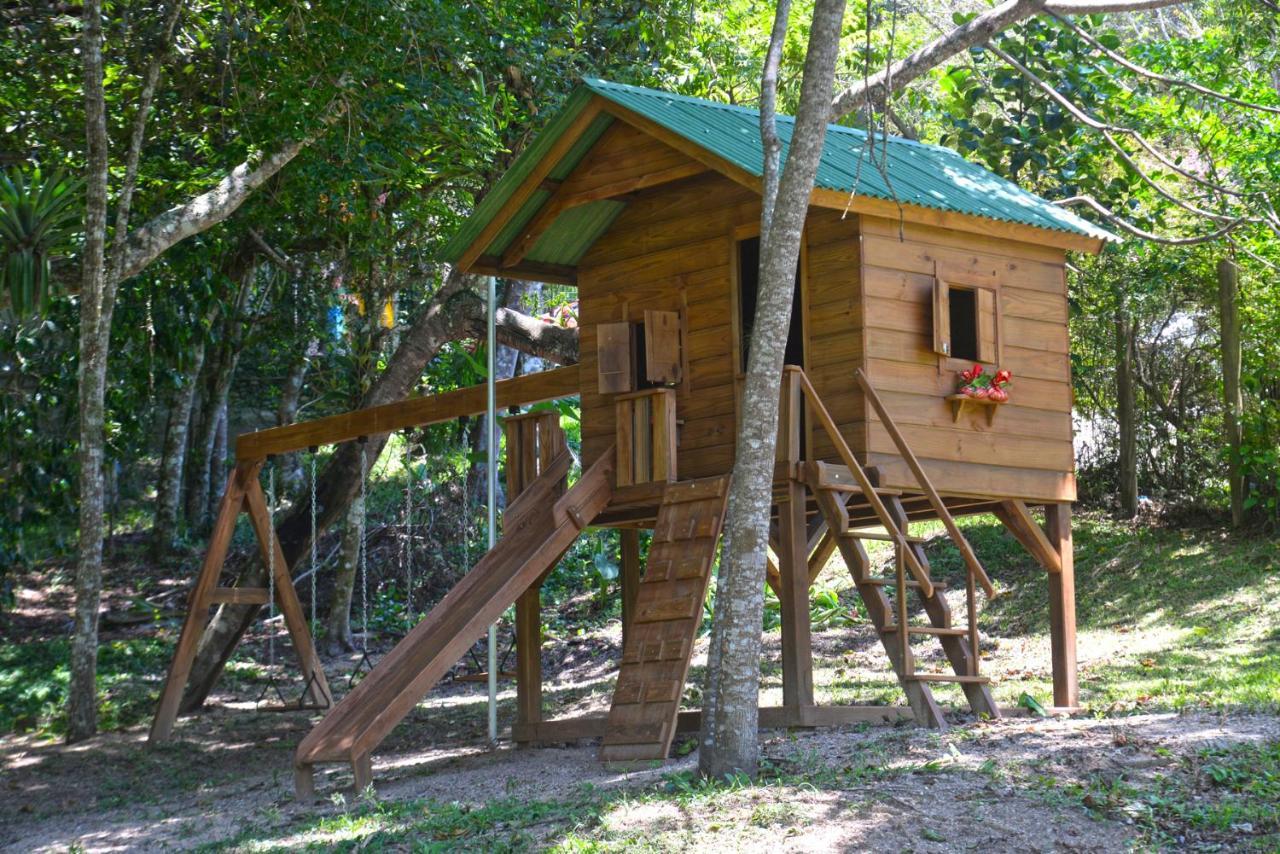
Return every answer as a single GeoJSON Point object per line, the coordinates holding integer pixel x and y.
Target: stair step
{"type": "Point", "coordinates": [949, 632]}
{"type": "Point", "coordinates": [877, 535]}
{"type": "Point", "coordinates": [239, 596]}
{"type": "Point", "coordinates": [949, 677]}
{"type": "Point", "coordinates": [891, 582]}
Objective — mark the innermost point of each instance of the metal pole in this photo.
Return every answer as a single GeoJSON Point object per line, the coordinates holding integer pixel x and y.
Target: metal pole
{"type": "Point", "coordinates": [491, 443]}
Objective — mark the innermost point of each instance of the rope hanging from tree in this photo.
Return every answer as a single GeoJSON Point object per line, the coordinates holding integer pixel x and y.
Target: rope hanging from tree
{"type": "Point", "coordinates": [365, 663]}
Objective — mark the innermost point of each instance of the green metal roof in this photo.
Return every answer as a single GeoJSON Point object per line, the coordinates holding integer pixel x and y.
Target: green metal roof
{"type": "Point", "coordinates": [918, 174]}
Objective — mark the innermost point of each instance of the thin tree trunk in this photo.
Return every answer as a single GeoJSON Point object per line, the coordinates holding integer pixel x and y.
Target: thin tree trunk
{"type": "Point", "coordinates": [218, 459]}
{"type": "Point", "coordinates": [454, 313]}
{"type": "Point", "coordinates": [338, 621]}
{"type": "Point", "coordinates": [173, 456]}
{"type": "Point", "coordinates": [729, 732]}
{"type": "Point", "coordinates": [286, 412]}
{"type": "Point", "coordinates": [95, 326]}
{"type": "Point", "coordinates": [1233, 399]}
{"type": "Point", "coordinates": [1126, 416]}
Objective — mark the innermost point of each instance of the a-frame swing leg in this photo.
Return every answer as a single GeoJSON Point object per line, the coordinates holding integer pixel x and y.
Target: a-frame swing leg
{"type": "Point", "coordinates": [287, 598]}
{"type": "Point", "coordinates": [198, 603]}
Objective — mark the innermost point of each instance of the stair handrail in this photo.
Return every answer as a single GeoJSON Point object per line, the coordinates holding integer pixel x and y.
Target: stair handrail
{"type": "Point", "coordinates": [793, 373]}
{"type": "Point", "coordinates": [926, 486]}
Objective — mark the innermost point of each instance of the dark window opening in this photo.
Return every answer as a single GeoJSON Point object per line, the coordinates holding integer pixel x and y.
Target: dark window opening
{"type": "Point", "coordinates": [963, 308]}
{"type": "Point", "coordinates": [642, 381]}
{"type": "Point", "coordinates": [748, 296]}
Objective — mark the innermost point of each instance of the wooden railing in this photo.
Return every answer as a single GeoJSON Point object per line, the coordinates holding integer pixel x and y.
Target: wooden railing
{"type": "Point", "coordinates": [645, 424]}
{"type": "Point", "coordinates": [412, 412]}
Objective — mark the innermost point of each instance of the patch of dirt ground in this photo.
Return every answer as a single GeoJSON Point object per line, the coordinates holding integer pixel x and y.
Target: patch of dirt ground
{"type": "Point", "coordinates": [878, 788]}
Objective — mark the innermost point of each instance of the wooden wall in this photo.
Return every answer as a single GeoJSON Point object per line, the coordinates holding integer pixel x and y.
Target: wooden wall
{"type": "Point", "coordinates": [671, 250]}
{"type": "Point", "coordinates": [867, 299]}
{"type": "Point", "coordinates": [1027, 451]}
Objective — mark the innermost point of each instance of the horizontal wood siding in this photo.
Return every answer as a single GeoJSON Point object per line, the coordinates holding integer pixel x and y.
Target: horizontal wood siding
{"type": "Point", "coordinates": [834, 322]}
{"type": "Point", "coordinates": [1027, 451]}
{"type": "Point", "coordinates": [670, 250]}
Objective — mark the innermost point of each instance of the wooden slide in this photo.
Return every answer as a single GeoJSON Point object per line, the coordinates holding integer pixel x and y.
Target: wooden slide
{"type": "Point", "coordinates": [538, 527]}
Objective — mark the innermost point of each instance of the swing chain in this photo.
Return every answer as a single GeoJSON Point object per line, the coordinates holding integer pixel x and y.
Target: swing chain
{"type": "Point", "coordinates": [314, 621]}
{"type": "Point", "coordinates": [364, 546]}
{"type": "Point", "coordinates": [408, 530]}
{"type": "Point", "coordinates": [271, 565]}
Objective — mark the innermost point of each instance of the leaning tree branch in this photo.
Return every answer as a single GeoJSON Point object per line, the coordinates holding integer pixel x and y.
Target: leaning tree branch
{"type": "Point", "coordinates": [978, 30]}
{"type": "Point", "coordinates": [1107, 130]}
{"type": "Point", "coordinates": [1120, 59]}
{"type": "Point", "coordinates": [772, 146]}
{"type": "Point", "coordinates": [1120, 222]}
{"type": "Point", "coordinates": [210, 208]}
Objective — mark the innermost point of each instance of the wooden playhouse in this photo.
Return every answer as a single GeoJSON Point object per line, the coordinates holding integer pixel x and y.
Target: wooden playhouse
{"type": "Point", "coordinates": [649, 203]}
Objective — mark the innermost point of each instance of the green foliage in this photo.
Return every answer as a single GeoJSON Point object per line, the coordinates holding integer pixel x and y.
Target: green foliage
{"type": "Point", "coordinates": [38, 215]}
{"type": "Point", "coordinates": [34, 675]}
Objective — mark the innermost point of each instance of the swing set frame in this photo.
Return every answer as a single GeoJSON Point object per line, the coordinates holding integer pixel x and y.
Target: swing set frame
{"type": "Point", "coordinates": [243, 494]}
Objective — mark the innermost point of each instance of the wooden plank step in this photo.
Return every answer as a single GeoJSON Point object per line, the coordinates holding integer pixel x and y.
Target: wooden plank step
{"type": "Point", "coordinates": [949, 677]}
{"type": "Point", "coordinates": [668, 611]}
{"type": "Point", "coordinates": [238, 596]}
{"type": "Point", "coordinates": [879, 535]}
{"type": "Point", "coordinates": [890, 582]}
{"type": "Point", "coordinates": [937, 631]}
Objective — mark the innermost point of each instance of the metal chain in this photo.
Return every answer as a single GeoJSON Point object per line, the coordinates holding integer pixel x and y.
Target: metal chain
{"type": "Point", "coordinates": [364, 546]}
{"type": "Point", "coordinates": [408, 530]}
{"type": "Point", "coordinates": [314, 622]}
{"type": "Point", "coordinates": [271, 565]}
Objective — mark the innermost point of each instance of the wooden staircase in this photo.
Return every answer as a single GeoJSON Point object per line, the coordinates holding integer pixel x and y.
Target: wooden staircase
{"type": "Point", "coordinates": [892, 616]}
{"type": "Point", "coordinates": [668, 611]}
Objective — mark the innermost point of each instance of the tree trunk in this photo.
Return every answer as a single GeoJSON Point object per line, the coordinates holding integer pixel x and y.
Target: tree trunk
{"type": "Point", "coordinates": [173, 456]}
{"type": "Point", "coordinates": [218, 459]}
{"type": "Point", "coordinates": [729, 732]}
{"type": "Point", "coordinates": [286, 412]}
{"type": "Point", "coordinates": [338, 621]}
{"type": "Point", "coordinates": [220, 373]}
{"type": "Point", "coordinates": [1126, 416]}
{"type": "Point", "coordinates": [454, 313]}
{"type": "Point", "coordinates": [95, 328]}
{"type": "Point", "coordinates": [1233, 399]}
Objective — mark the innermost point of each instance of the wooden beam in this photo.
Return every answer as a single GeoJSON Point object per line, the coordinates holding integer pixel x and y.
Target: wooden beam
{"type": "Point", "coordinates": [412, 412]}
{"type": "Point", "coordinates": [541, 170]}
{"type": "Point", "coordinates": [528, 271]}
{"type": "Point", "coordinates": [690, 721]}
{"type": "Point", "coordinates": [184, 654]}
{"type": "Point", "coordinates": [793, 561]}
{"type": "Point", "coordinates": [631, 570]}
{"type": "Point", "coordinates": [841, 201]}
{"type": "Point", "coordinates": [1062, 607]}
{"type": "Point", "coordinates": [567, 197]}
{"type": "Point", "coordinates": [1017, 518]}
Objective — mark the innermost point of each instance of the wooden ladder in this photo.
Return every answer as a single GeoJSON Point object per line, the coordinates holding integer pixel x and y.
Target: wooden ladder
{"type": "Point", "coordinates": [911, 566]}
{"type": "Point", "coordinates": [668, 611]}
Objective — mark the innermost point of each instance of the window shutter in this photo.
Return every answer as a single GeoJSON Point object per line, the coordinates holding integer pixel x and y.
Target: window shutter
{"type": "Point", "coordinates": [662, 347]}
{"type": "Point", "coordinates": [613, 354]}
{"type": "Point", "coordinates": [941, 317]}
{"type": "Point", "coordinates": [986, 325]}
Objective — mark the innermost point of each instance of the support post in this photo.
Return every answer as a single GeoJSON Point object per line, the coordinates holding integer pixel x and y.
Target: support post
{"type": "Point", "coordinates": [529, 657]}
{"type": "Point", "coordinates": [793, 559]}
{"type": "Point", "coordinates": [630, 574]}
{"type": "Point", "coordinates": [1062, 607]}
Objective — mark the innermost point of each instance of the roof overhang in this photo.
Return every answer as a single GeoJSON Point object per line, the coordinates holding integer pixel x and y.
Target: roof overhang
{"type": "Point", "coordinates": [502, 235]}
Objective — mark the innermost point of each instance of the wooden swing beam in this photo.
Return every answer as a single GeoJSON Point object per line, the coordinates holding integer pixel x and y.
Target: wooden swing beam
{"type": "Point", "coordinates": [403, 414]}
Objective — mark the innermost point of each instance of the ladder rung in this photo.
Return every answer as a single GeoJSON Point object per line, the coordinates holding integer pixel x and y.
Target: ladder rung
{"type": "Point", "coordinates": [238, 596]}
{"type": "Point", "coordinates": [949, 677]}
{"type": "Point", "coordinates": [949, 632]}
{"type": "Point", "coordinates": [853, 487]}
{"type": "Point", "coordinates": [890, 582]}
{"type": "Point", "coordinates": [877, 535]}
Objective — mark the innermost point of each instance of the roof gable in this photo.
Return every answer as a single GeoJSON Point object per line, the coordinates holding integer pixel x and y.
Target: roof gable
{"type": "Point", "coordinates": [916, 175]}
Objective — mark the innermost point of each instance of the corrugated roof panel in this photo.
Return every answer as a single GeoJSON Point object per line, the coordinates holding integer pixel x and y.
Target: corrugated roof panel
{"type": "Point", "coordinates": [574, 231]}
{"type": "Point", "coordinates": [891, 169]}
{"type": "Point", "coordinates": [919, 174]}
{"type": "Point", "coordinates": [493, 201]}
